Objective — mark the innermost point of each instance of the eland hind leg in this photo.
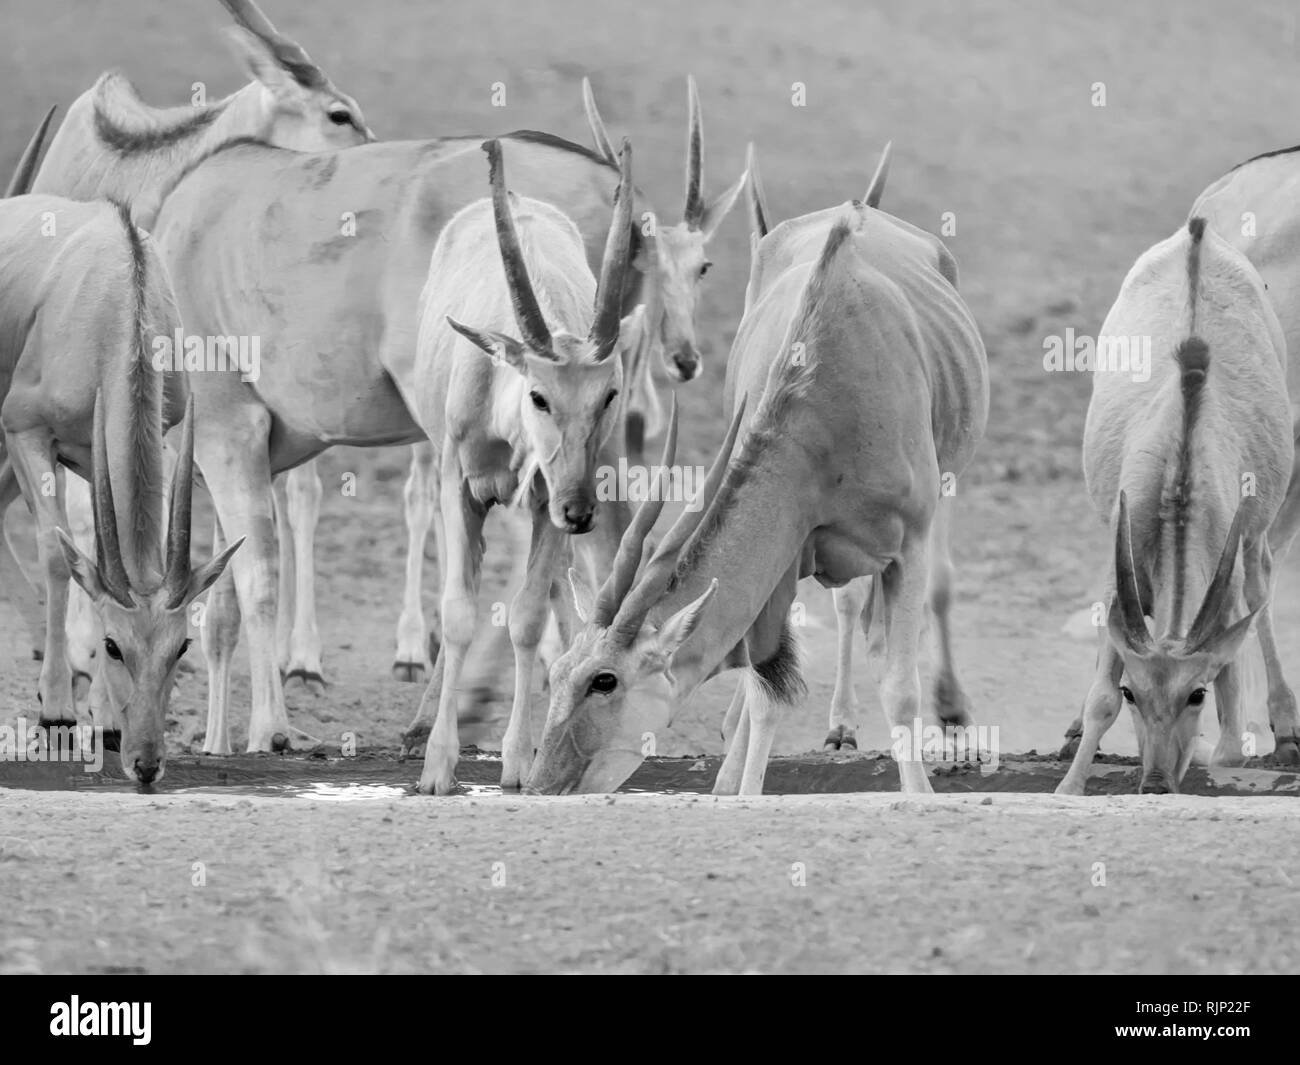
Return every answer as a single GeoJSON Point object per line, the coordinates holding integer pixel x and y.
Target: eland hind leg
{"type": "Point", "coordinates": [415, 653]}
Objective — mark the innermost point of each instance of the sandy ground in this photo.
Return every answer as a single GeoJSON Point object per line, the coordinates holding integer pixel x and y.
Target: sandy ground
{"type": "Point", "coordinates": [648, 884]}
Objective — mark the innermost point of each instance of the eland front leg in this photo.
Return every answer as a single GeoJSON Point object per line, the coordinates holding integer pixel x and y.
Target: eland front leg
{"type": "Point", "coordinates": [303, 495]}
{"type": "Point", "coordinates": [528, 614]}
{"type": "Point", "coordinates": [462, 517]}
{"type": "Point", "coordinates": [851, 601]}
{"type": "Point", "coordinates": [31, 455]}
{"type": "Point", "coordinates": [903, 586]}
{"type": "Point", "coordinates": [1282, 711]}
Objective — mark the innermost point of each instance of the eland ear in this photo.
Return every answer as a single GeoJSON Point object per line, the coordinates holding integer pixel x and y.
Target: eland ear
{"type": "Point", "coordinates": [206, 575]}
{"type": "Point", "coordinates": [678, 628]}
{"type": "Point", "coordinates": [84, 571]}
{"type": "Point", "coordinates": [498, 346]}
{"type": "Point", "coordinates": [261, 63]}
{"type": "Point", "coordinates": [584, 596]}
{"type": "Point", "coordinates": [716, 211]}
{"type": "Point", "coordinates": [1223, 647]}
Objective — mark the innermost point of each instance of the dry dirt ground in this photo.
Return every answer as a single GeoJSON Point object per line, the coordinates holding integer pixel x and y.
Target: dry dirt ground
{"type": "Point", "coordinates": [990, 107]}
{"type": "Point", "coordinates": [640, 883]}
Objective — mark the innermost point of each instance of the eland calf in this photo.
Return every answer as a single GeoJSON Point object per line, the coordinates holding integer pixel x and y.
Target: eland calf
{"type": "Point", "coordinates": [1188, 469]}
{"type": "Point", "coordinates": [870, 382]}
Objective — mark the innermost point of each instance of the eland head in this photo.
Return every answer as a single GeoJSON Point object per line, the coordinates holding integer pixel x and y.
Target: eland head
{"type": "Point", "coordinates": [567, 405]}
{"type": "Point", "coordinates": [302, 109]}
{"type": "Point", "coordinates": [674, 258]}
{"type": "Point", "coordinates": [1165, 680]}
{"type": "Point", "coordinates": [144, 617]}
{"type": "Point", "coordinates": [615, 683]}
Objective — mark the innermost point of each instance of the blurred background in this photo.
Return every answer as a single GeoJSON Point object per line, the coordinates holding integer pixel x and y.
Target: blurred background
{"type": "Point", "coordinates": [991, 106]}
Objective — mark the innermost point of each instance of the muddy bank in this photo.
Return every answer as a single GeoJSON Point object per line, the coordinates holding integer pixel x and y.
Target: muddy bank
{"type": "Point", "coordinates": [383, 774]}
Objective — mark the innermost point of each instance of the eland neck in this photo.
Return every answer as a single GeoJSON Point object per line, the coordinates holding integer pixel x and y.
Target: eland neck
{"type": "Point", "coordinates": [754, 532]}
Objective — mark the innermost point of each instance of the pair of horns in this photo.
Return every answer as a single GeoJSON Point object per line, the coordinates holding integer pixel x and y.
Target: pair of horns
{"type": "Point", "coordinates": [759, 219]}
{"type": "Point", "coordinates": [693, 212]}
{"type": "Point", "coordinates": [290, 54]}
{"type": "Point", "coordinates": [108, 547]}
{"type": "Point", "coordinates": [613, 270]}
{"type": "Point", "coordinates": [1128, 599]}
{"type": "Point", "coordinates": [623, 601]}
{"type": "Point", "coordinates": [25, 173]}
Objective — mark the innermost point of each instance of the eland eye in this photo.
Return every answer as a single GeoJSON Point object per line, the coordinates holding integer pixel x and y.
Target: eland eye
{"type": "Point", "coordinates": [1127, 693]}
{"type": "Point", "coordinates": [610, 398]}
{"type": "Point", "coordinates": [341, 117]}
{"type": "Point", "coordinates": [539, 401]}
{"type": "Point", "coordinates": [114, 652]}
{"type": "Point", "coordinates": [1196, 698]}
{"type": "Point", "coordinates": [604, 683]}
{"type": "Point", "coordinates": [704, 267]}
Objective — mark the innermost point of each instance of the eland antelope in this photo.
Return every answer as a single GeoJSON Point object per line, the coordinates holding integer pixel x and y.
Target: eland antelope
{"type": "Point", "coordinates": [1188, 470]}
{"type": "Point", "coordinates": [870, 383]}
{"type": "Point", "coordinates": [527, 422]}
{"type": "Point", "coordinates": [82, 291]}
{"type": "Point", "coordinates": [113, 145]}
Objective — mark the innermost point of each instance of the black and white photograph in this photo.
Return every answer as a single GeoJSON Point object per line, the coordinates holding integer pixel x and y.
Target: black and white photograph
{"type": "Point", "coordinates": [647, 487]}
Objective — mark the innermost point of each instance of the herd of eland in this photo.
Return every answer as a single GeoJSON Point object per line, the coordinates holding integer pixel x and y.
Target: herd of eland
{"type": "Point", "coordinates": [503, 306]}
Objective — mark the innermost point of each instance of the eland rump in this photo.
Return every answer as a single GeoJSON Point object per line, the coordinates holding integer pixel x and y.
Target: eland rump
{"type": "Point", "coordinates": [1188, 470]}
{"type": "Point", "coordinates": [870, 382]}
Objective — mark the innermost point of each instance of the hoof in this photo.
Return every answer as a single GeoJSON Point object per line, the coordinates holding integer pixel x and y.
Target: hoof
{"type": "Point", "coordinates": [1287, 751]}
{"type": "Point", "coordinates": [951, 704]}
{"type": "Point", "coordinates": [414, 740]}
{"type": "Point", "coordinates": [410, 672]}
{"type": "Point", "coordinates": [436, 786]}
{"type": "Point", "coordinates": [308, 678]}
{"type": "Point", "coordinates": [840, 737]}
{"type": "Point", "coordinates": [280, 743]}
